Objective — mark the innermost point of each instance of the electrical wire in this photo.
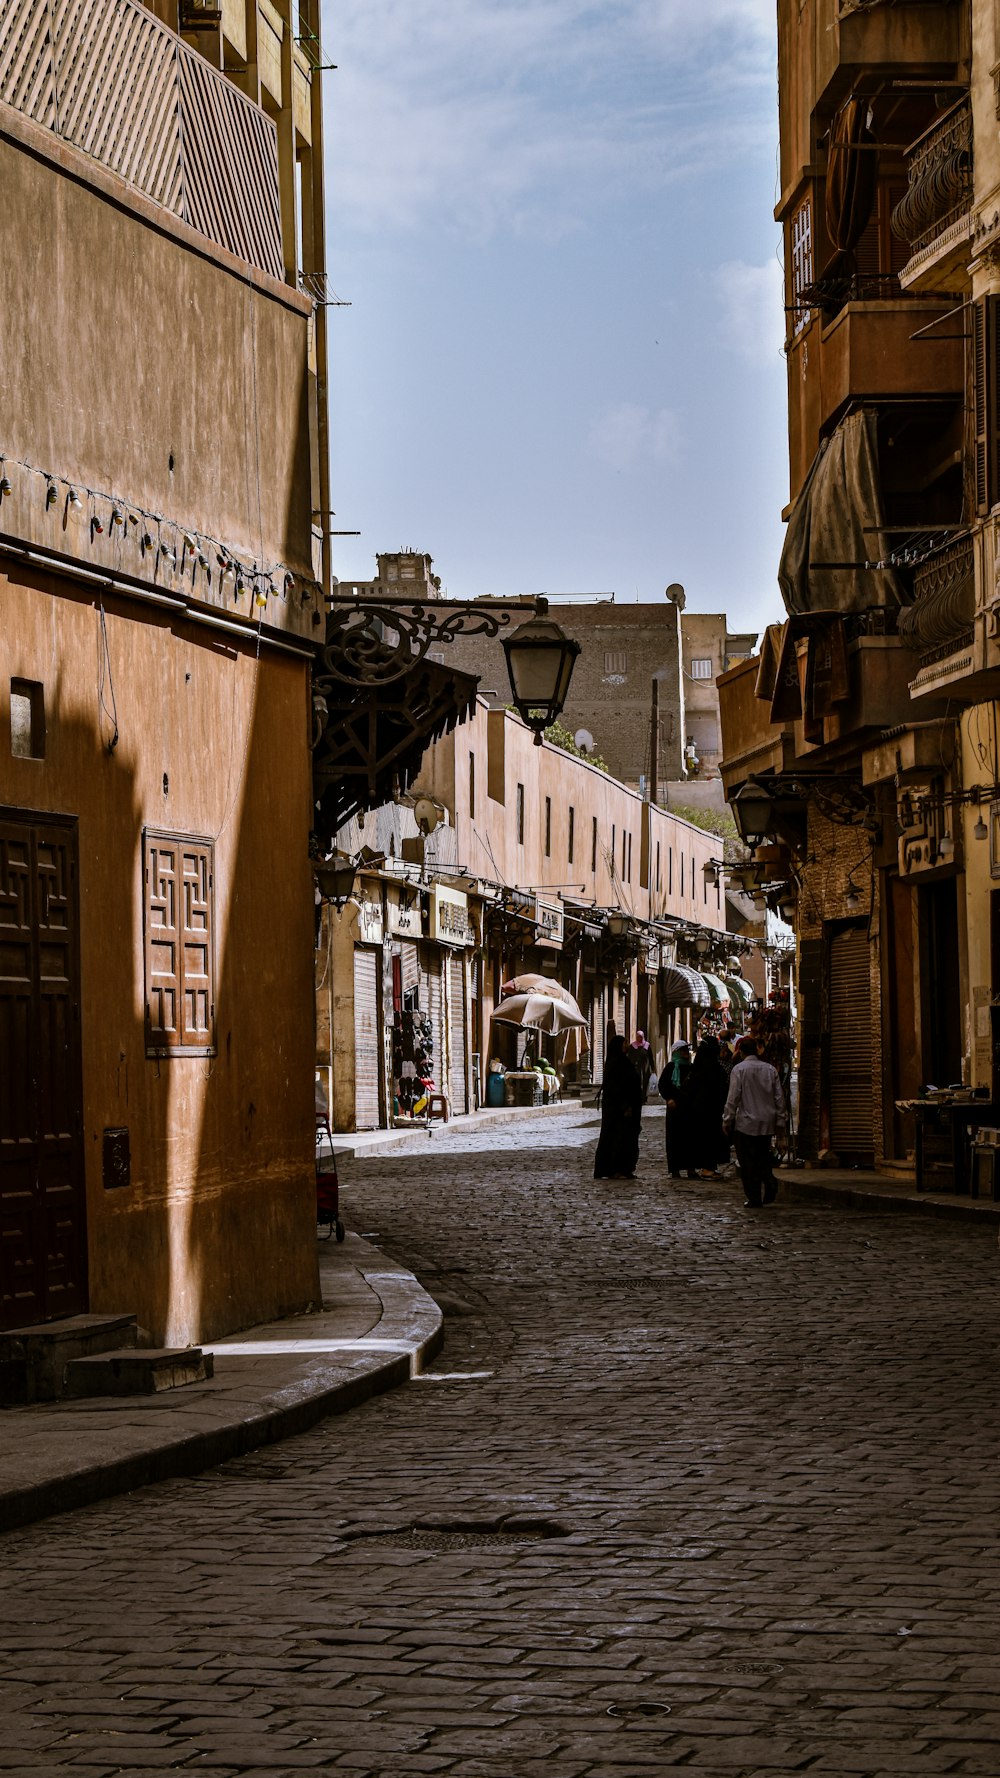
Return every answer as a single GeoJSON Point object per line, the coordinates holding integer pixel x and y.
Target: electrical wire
{"type": "Point", "coordinates": [105, 680]}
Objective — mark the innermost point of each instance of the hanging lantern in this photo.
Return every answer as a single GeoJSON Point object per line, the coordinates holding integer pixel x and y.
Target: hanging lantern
{"type": "Point", "coordinates": [540, 660]}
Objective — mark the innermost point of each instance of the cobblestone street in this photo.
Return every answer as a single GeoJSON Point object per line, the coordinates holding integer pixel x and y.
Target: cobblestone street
{"type": "Point", "coordinates": [688, 1487]}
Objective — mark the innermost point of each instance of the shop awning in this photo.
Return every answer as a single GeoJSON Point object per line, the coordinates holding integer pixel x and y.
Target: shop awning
{"type": "Point", "coordinates": [680, 986]}
{"type": "Point", "coordinates": [833, 528]}
{"type": "Point", "coordinates": [718, 992]}
{"type": "Point", "coordinates": [740, 992]}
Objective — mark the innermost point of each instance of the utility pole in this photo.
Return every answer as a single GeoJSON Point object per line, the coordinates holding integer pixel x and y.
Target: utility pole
{"type": "Point", "coordinates": [654, 744]}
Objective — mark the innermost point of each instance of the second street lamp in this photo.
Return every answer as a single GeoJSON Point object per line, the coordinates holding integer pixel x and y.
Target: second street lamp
{"type": "Point", "coordinates": [540, 660]}
{"type": "Point", "coordinates": [753, 812]}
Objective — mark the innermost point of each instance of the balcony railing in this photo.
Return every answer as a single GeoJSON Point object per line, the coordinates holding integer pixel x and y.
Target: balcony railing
{"type": "Point", "coordinates": [108, 77]}
{"type": "Point", "coordinates": [939, 171]}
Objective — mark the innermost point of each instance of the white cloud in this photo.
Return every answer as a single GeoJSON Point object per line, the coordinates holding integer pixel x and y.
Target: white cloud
{"type": "Point", "coordinates": [752, 317]}
{"type": "Point", "coordinates": [517, 113]}
{"type": "Point", "coordinates": [628, 436]}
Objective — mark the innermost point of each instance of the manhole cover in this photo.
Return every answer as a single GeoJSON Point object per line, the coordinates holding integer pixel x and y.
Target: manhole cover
{"type": "Point", "coordinates": [502, 1535]}
{"type": "Point", "coordinates": [638, 1709]}
{"type": "Point", "coordinates": [758, 1667]}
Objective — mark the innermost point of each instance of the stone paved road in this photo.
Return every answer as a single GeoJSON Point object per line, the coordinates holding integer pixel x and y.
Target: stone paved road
{"type": "Point", "coordinates": [765, 1447]}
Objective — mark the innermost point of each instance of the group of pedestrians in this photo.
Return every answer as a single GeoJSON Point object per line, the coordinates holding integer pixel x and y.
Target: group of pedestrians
{"type": "Point", "coordinates": [713, 1100]}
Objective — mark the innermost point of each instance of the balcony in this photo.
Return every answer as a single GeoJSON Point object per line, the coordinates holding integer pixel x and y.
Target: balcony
{"type": "Point", "coordinates": [119, 85]}
{"type": "Point", "coordinates": [953, 627]}
{"type": "Point", "coordinates": [751, 742]}
{"type": "Point", "coordinates": [935, 216]}
{"type": "Point", "coordinates": [868, 352]}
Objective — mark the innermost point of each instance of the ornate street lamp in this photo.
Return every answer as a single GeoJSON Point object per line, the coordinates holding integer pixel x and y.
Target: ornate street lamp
{"type": "Point", "coordinates": [753, 813]}
{"type": "Point", "coordinates": [540, 659]}
{"type": "Point", "coordinates": [335, 878]}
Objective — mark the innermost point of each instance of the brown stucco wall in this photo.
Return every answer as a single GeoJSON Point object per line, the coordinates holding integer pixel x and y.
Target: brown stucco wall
{"type": "Point", "coordinates": [137, 342]}
{"type": "Point", "coordinates": [217, 1229]}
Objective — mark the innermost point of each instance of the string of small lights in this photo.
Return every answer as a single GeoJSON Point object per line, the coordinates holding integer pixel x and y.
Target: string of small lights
{"type": "Point", "coordinates": [173, 549]}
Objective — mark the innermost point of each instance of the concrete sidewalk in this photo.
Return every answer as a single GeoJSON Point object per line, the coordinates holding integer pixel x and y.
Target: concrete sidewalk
{"type": "Point", "coordinates": [360, 1144]}
{"type": "Point", "coordinates": [377, 1327]}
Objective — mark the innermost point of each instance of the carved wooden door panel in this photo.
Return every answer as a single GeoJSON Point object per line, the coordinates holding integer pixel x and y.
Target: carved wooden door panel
{"type": "Point", "coordinates": [43, 1249]}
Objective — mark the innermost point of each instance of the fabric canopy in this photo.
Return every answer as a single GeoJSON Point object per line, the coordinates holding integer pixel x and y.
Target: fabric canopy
{"type": "Point", "coordinates": [740, 991]}
{"type": "Point", "coordinates": [683, 987]}
{"type": "Point", "coordinates": [717, 990]}
{"type": "Point", "coordinates": [835, 519]}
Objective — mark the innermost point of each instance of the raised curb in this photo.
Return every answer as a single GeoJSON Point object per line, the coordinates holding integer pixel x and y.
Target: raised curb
{"type": "Point", "coordinates": [804, 1187]}
{"type": "Point", "coordinates": [278, 1395]}
{"type": "Point", "coordinates": [357, 1145]}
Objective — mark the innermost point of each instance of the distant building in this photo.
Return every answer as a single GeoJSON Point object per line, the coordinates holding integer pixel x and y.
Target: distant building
{"type": "Point", "coordinates": [646, 671]}
{"type": "Point", "coordinates": [708, 649]}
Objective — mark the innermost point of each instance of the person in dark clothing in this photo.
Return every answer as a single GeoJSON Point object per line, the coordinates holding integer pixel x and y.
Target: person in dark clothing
{"type": "Point", "coordinates": [621, 1112]}
{"type": "Point", "coordinates": [671, 1086]}
{"type": "Point", "coordinates": [705, 1095]}
{"type": "Point", "coordinates": [640, 1054]}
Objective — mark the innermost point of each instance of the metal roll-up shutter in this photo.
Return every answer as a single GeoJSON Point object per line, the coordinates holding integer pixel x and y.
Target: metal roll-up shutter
{"type": "Point", "coordinates": [434, 1007]}
{"type": "Point", "coordinates": [850, 1070]}
{"type": "Point", "coordinates": [410, 962]}
{"type": "Point", "coordinates": [597, 1034]}
{"type": "Point", "coordinates": [367, 1040]}
{"type": "Point", "coordinates": [458, 1081]}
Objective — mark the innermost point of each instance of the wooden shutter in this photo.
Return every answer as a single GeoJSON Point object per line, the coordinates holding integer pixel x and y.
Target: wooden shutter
{"type": "Point", "coordinates": [850, 1071]}
{"type": "Point", "coordinates": [179, 943]}
{"type": "Point", "coordinates": [367, 1040]}
{"type": "Point", "coordinates": [985, 405]}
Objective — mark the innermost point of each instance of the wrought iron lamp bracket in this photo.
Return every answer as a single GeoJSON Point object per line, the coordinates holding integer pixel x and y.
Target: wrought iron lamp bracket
{"type": "Point", "coordinates": [377, 641]}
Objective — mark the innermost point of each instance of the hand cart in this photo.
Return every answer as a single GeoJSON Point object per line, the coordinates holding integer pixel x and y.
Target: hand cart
{"type": "Point", "coordinates": [327, 1183]}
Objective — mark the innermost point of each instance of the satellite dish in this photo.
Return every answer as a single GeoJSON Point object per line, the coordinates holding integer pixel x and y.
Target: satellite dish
{"type": "Point", "coordinates": [426, 814]}
{"type": "Point", "coordinates": [583, 739]}
{"type": "Point", "coordinates": [676, 594]}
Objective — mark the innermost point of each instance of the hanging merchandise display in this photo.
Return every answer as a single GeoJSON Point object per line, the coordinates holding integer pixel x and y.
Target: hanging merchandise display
{"type": "Point", "coordinates": [413, 1061]}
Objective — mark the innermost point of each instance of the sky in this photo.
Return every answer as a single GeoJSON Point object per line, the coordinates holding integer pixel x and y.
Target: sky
{"type": "Point", "coordinates": [561, 370]}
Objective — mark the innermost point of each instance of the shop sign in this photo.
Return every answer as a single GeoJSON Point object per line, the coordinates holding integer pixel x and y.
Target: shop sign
{"type": "Point", "coordinates": [406, 921]}
{"type": "Point", "coordinates": [369, 921]}
{"type": "Point", "coordinates": [550, 923]}
{"type": "Point", "coordinates": [449, 916]}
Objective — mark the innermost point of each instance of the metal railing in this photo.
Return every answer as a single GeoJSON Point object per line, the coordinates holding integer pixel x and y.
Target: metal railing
{"type": "Point", "coordinates": [108, 77]}
{"type": "Point", "coordinates": [939, 172]}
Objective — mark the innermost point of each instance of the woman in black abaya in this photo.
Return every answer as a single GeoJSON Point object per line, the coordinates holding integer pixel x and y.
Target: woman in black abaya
{"type": "Point", "coordinates": [621, 1110]}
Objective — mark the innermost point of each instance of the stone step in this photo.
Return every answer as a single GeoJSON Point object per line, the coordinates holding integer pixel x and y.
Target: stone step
{"type": "Point", "coordinates": [146, 1371]}
{"type": "Point", "coordinates": [33, 1360]}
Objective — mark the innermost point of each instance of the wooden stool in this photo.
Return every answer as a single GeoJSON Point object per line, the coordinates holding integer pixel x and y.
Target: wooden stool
{"type": "Point", "coordinates": [438, 1106]}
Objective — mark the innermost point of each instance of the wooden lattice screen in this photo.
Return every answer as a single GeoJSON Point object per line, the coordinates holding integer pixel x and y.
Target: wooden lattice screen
{"type": "Point", "coordinates": [110, 78]}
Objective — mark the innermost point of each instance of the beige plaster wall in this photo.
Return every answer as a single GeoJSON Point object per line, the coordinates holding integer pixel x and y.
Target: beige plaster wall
{"type": "Point", "coordinates": [488, 842]}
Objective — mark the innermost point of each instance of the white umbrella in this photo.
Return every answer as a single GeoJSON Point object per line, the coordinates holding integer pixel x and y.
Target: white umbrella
{"type": "Point", "coordinates": [540, 1012]}
{"type": "Point", "coordinates": [537, 984]}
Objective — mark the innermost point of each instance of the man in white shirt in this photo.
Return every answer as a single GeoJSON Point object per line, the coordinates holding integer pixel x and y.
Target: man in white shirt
{"type": "Point", "coordinates": [755, 1109]}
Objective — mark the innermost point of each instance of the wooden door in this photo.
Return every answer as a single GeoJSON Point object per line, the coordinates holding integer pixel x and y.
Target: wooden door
{"type": "Point", "coordinates": [43, 1237]}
